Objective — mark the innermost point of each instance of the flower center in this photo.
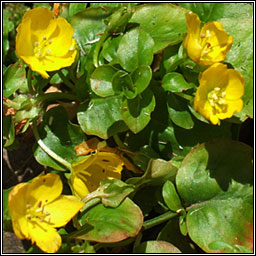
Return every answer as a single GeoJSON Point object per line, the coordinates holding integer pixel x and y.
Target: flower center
{"type": "Point", "coordinates": [38, 213]}
{"type": "Point", "coordinates": [216, 98]}
{"type": "Point", "coordinates": [206, 45]}
{"type": "Point", "coordinates": [41, 48]}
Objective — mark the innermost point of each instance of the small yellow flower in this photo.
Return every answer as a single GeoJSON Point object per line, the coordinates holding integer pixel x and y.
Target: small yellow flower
{"type": "Point", "coordinates": [208, 45]}
{"type": "Point", "coordinates": [38, 208]}
{"type": "Point", "coordinates": [87, 174]}
{"type": "Point", "coordinates": [219, 93]}
{"type": "Point", "coordinates": [45, 42]}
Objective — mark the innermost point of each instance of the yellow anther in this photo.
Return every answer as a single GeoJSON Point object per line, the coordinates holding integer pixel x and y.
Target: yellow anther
{"type": "Point", "coordinates": [28, 206]}
{"type": "Point", "coordinates": [223, 94]}
{"type": "Point", "coordinates": [221, 101]}
{"type": "Point", "coordinates": [214, 96]}
{"type": "Point", "coordinates": [44, 37]}
{"type": "Point", "coordinates": [50, 41]}
{"type": "Point", "coordinates": [217, 89]}
{"type": "Point", "coordinates": [36, 44]}
{"type": "Point", "coordinates": [39, 204]}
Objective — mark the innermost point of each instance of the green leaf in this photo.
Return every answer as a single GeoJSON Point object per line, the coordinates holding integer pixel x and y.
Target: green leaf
{"type": "Point", "coordinates": [109, 225]}
{"type": "Point", "coordinates": [14, 79]}
{"type": "Point", "coordinates": [178, 111]}
{"type": "Point", "coordinates": [158, 171]}
{"type": "Point", "coordinates": [7, 22]}
{"type": "Point", "coordinates": [171, 197]}
{"type": "Point", "coordinates": [136, 112]}
{"type": "Point", "coordinates": [156, 247]}
{"type": "Point", "coordinates": [141, 78]}
{"type": "Point", "coordinates": [60, 136]}
{"type": "Point", "coordinates": [101, 117]}
{"type": "Point", "coordinates": [175, 82]}
{"type": "Point", "coordinates": [241, 58]}
{"type": "Point", "coordinates": [122, 83]}
{"type": "Point", "coordinates": [215, 179]}
{"type": "Point", "coordinates": [164, 22]}
{"type": "Point", "coordinates": [135, 49]}
{"type": "Point", "coordinates": [109, 50]}
{"type": "Point", "coordinates": [74, 8]}
{"type": "Point", "coordinates": [101, 81]}
{"type": "Point", "coordinates": [8, 130]}
{"type": "Point", "coordinates": [111, 192]}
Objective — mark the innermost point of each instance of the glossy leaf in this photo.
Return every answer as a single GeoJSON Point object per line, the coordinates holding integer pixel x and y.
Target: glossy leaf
{"type": "Point", "coordinates": [101, 117]}
{"type": "Point", "coordinates": [111, 192]}
{"type": "Point", "coordinates": [241, 58]}
{"type": "Point", "coordinates": [109, 225]}
{"type": "Point", "coordinates": [122, 83]}
{"type": "Point", "coordinates": [175, 82]}
{"type": "Point", "coordinates": [8, 130]}
{"type": "Point", "coordinates": [109, 49]}
{"type": "Point", "coordinates": [74, 8]}
{"type": "Point", "coordinates": [156, 247]}
{"type": "Point", "coordinates": [60, 136]}
{"type": "Point", "coordinates": [171, 197]}
{"type": "Point", "coordinates": [135, 49]}
{"type": "Point", "coordinates": [215, 179]}
{"type": "Point", "coordinates": [164, 22]}
{"type": "Point", "coordinates": [101, 80]}
{"type": "Point", "coordinates": [14, 79]}
{"type": "Point", "coordinates": [141, 78]}
{"type": "Point", "coordinates": [178, 111]}
{"type": "Point", "coordinates": [158, 171]}
{"type": "Point", "coordinates": [136, 112]}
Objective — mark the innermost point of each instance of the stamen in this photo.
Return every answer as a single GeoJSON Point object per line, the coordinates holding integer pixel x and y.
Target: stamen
{"type": "Point", "coordinates": [28, 206]}
{"type": "Point", "coordinates": [44, 37]}
{"type": "Point", "coordinates": [50, 41]}
{"type": "Point", "coordinates": [36, 44]}
{"type": "Point", "coordinates": [223, 94]}
{"type": "Point", "coordinates": [39, 53]}
{"type": "Point", "coordinates": [43, 209]}
{"type": "Point", "coordinates": [39, 204]}
{"type": "Point", "coordinates": [29, 217]}
{"type": "Point", "coordinates": [202, 35]}
{"type": "Point", "coordinates": [221, 101]}
{"type": "Point", "coordinates": [48, 50]}
{"type": "Point", "coordinates": [214, 96]}
{"type": "Point", "coordinates": [217, 89]}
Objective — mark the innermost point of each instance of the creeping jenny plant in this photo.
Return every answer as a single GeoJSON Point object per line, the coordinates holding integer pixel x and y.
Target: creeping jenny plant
{"type": "Point", "coordinates": [38, 208]}
{"type": "Point", "coordinates": [137, 112]}
{"type": "Point", "coordinates": [45, 42]}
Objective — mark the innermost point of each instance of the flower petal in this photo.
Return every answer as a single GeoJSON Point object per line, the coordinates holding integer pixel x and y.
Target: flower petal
{"type": "Point", "coordinates": [192, 42]}
{"type": "Point", "coordinates": [44, 188]}
{"type": "Point", "coordinates": [35, 65]}
{"type": "Point", "coordinates": [233, 106]}
{"type": "Point", "coordinates": [43, 23]}
{"type": "Point", "coordinates": [24, 35]}
{"type": "Point", "coordinates": [235, 86]}
{"type": "Point", "coordinates": [97, 167]}
{"type": "Point", "coordinates": [62, 38]}
{"type": "Point", "coordinates": [45, 236]}
{"type": "Point", "coordinates": [78, 184]}
{"type": "Point", "coordinates": [63, 209]}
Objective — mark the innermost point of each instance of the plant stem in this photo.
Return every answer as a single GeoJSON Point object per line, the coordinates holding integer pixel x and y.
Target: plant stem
{"type": "Point", "coordinates": [159, 220]}
{"type": "Point", "coordinates": [48, 150]}
{"type": "Point", "coordinates": [65, 80]}
{"type": "Point", "coordinates": [97, 49]}
{"type": "Point", "coordinates": [56, 96]}
{"type": "Point", "coordinates": [119, 143]}
{"type": "Point", "coordinates": [184, 96]}
{"type": "Point", "coordinates": [29, 80]}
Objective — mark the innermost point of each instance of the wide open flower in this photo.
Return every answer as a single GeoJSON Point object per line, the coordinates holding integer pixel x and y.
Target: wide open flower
{"type": "Point", "coordinates": [38, 208]}
{"type": "Point", "coordinates": [208, 45]}
{"type": "Point", "coordinates": [87, 174]}
{"type": "Point", "coordinates": [219, 93]}
{"type": "Point", "coordinates": [45, 42]}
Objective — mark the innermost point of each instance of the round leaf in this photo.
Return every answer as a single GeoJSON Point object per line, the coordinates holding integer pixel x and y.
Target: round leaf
{"type": "Point", "coordinates": [109, 225]}
{"type": "Point", "coordinates": [156, 247]}
{"type": "Point", "coordinates": [141, 78]}
{"type": "Point", "coordinates": [163, 21]}
{"type": "Point", "coordinates": [101, 117]}
{"type": "Point", "coordinates": [135, 49]}
{"type": "Point", "coordinates": [136, 112]}
{"type": "Point", "coordinates": [101, 81]}
{"type": "Point", "coordinates": [175, 82]}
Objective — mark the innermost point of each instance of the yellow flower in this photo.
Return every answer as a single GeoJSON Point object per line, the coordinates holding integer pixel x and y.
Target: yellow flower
{"type": "Point", "coordinates": [38, 208]}
{"type": "Point", "coordinates": [219, 93]}
{"type": "Point", "coordinates": [45, 42]}
{"type": "Point", "coordinates": [208, 45]}
{"type": "Point", "coordinates": [87, 174]}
